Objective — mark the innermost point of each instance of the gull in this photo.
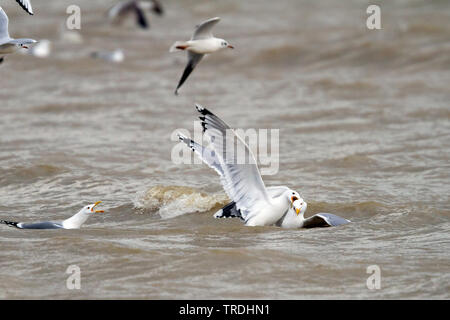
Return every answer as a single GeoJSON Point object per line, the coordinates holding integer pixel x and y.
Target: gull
{"type": "Point", "coordinates": [73, 222]}
{"type": "Point", "coordinates": [116, 56]}
{"type": "Point", "coordinates": [7, 44]}
{"type": "Point", "coordinates": [319, 220]}
{"type": "Point", "coordinates": [258, 205]}
{"type": "Point", "coordinates": [125, 8]}
{"type": "Point", "coordinates": [201, 43]}
{"type": "Point", "coordinates": [26, 5]}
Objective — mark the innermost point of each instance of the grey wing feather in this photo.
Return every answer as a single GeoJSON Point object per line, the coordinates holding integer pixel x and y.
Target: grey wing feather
{"type": "Point", "coordinates": [321, 220]}
{"type": "Point", "coordinates": [41, 225]}
{"type": "Point", "coordinates": [193, 60]}
{"type": "Point", "coordinates": [203, 30]}
{"type": "Point", "coordinates": [4, 34]}
{"type": "Point", "coordinates": [207, 155]}
{"type": "Point", "coordinates": [332, 219]}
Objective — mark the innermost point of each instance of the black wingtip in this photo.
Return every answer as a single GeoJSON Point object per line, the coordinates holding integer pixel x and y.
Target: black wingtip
{"type": "Point", "coordinates": [10, 223]}
{"type": "Point", "coordinates": [202, 110]}
{"type": "Point", "coordinates": [176, 92]}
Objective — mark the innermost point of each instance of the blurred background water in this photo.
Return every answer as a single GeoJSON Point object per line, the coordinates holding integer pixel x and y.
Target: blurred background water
{"type": "Point", "coordinates": [364, 133]}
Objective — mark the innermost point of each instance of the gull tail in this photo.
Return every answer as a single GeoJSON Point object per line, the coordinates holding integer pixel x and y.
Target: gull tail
{"type": "Point", "coordinates": [10, 223]}
{"type": "Point", "coordinates": [178, 45]}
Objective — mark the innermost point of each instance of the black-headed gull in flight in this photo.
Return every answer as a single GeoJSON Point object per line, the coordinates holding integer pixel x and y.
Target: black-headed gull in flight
{"type": "Point", "coordinates": [201, 43]}
{"type": "Point", "coordinates": [258, 205]}
{"type": "Point", "coordinates": [294, 218]}
{"type": "Point", "coordinates": [137, 8]}
{"type": "Point", "coordinates": [74, 222]}
{"type": "Point", "coordinates": [7, 44]}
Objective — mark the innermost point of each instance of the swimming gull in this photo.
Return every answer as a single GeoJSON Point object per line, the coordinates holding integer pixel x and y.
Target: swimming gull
{"type": "Point", "coordinates": [73, 222]}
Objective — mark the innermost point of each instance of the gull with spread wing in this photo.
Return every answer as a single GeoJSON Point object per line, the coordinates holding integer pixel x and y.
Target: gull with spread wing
{"type": "Point", "coordinates": [241, 180]}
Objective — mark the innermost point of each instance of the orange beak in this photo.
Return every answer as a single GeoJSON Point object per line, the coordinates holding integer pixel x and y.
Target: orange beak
{"type": "Point", "coordinates": [97, 211]}
{"type": "Point", "coordinates": [230, 46]}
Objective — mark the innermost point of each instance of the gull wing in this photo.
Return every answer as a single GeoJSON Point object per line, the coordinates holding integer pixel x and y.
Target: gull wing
{"type": "Point", "coordinates": [193, 60]}
{"type": "Point", "coordinates": [4, 34]}
{"type": "Point", "coordinates": [26, 5]}
{"type": "Point", "coordinates": [203, 30]}
{"type": "Point", "coordinates": [207, 155]}
{"type": "Point", "coordinates": [241, 181]}
{"type": "Point", "coordinates": [324, 220]}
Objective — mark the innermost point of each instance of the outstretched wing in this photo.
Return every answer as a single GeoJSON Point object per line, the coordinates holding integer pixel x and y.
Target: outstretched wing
{"type": "Point", "coordinates": [26, 5]}
{"type": "Point", "coordinates": [141, 19]}
{"type": "Point", "coordinates": [207, 155]}
{"type": "Point", "coordinates": [241, 179]}
{"type": "Point", "coordinates": [203, 30]}
{"type": "Point", "coordinates": [4, 34]}
{"type": "Point", "coordinates": [193, 60]}
{"type": "Point", "coordinates": [320, 220]}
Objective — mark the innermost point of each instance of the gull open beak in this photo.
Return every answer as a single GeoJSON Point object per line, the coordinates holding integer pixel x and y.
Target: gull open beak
{"type": "Point", "coordinates": [230, 46]}
{"type": "Point", "coordinates": [25, 47]}
{"type": "Point", "coordinates": [296, 204]}
{"type": "Point", "coordinates": [97, 211]}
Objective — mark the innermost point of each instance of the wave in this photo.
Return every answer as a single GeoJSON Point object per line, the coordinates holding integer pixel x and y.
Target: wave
{"type": "Point", "coordinates": [173, 201]}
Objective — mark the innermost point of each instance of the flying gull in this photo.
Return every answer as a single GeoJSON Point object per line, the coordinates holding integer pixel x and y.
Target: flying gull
{"type": "Point", "coordinates": [258, 205]}
{"type": "Point", "coordinates": [201, 43]}
{"type": "Point", "coordinates": [292, 219]}
{"type": "Point", "coordinates": [74, 222]}
{"type": "Point", "coordinates": [7, 44]}
{"type": "Point", "coordinates": [137, 8]}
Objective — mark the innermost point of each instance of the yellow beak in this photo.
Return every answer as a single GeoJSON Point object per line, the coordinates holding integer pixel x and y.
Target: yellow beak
{"type": "Point", "coordinates": [97, 211]}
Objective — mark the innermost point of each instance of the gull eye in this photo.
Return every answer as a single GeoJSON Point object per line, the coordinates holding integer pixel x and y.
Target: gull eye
{"type": "Point", "coordinates": [88, 207]}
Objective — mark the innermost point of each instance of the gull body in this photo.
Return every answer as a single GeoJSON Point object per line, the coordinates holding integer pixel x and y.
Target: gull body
{"type": "Point", "coordinates": [74, 222]}
{"type": "Point", "coordinates": [201, 43]}
{"type": "Point", "coordinates": [9, 45]}
{"type": "Point", "coordinates": [257, 205]}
